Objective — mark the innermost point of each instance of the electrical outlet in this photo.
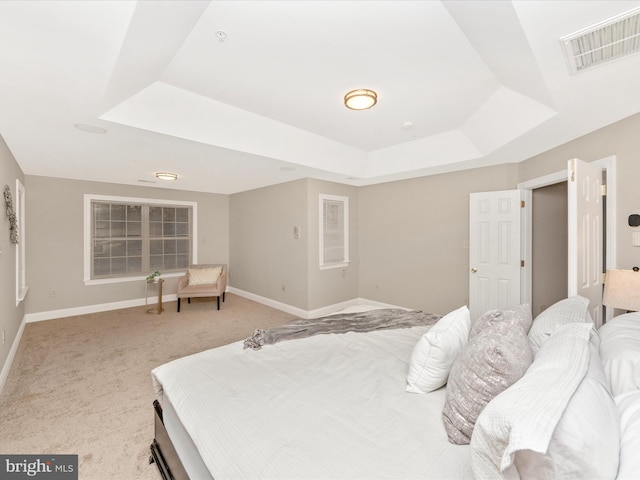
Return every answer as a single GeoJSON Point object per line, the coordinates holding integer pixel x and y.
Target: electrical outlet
{"type": "Point", "coordinates": [284, 288]}
{"type": "Point", "coordinates": [53, 292]}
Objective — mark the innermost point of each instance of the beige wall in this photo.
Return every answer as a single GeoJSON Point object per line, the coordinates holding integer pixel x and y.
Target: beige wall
{"type": "Point", "coordinates": [55, 246]}
{"type": "Point", "coordinates": [407, 237]}
{"type": "Point", "coordinates": [334, 285]}
{"type": "Point", "coordinates": [265, 256]}
{"type": "Point", "coordinates": [413, 234]}
{"type": "Point", "coordinates": [11, 316]}
{"type": "Point", "coordinates": [621, 139]}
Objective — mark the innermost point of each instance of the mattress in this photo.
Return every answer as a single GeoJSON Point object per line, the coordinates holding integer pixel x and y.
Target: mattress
{"type": "Point", "coordinates": [328, 406]}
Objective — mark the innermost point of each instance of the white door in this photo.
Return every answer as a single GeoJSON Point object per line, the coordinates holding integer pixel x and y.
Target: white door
{"type": "Point", "coordinates": [585, 234]}
{"type": "Point", "coordinates": [494, 250]}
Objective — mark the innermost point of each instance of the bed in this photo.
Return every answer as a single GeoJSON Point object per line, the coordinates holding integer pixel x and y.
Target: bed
{"type": "Point", "coordinates": [337, 406]}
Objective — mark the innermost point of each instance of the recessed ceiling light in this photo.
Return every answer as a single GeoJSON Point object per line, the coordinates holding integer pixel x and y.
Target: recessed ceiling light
{"type": "Point", "coordinates": [166, 176]}
{"type": "Point", "coordinates": [85, 127]}
{"type": "Point", "coordinates": [360, 99]}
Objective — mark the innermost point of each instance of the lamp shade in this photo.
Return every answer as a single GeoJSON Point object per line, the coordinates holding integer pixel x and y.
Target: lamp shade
{"type": "Point", "coordinates": [622, 290]}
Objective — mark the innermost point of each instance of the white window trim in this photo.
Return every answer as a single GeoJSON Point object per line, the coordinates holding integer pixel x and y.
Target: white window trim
{"type": "Point", "coordinates": [345, 201]}
{"type": "Point", "coordinates": [88, 198]}
{"type": "Point", "coordinates": [21, 255]}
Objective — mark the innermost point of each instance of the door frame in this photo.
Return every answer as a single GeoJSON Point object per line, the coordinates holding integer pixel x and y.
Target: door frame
{"type": "Point", "coordinates": [607, 164]}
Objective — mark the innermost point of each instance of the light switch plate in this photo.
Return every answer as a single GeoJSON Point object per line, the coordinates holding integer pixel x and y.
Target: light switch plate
{"type": "Point", "coordinates": [635, 239]}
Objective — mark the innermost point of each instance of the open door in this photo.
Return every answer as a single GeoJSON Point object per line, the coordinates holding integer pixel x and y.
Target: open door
{"type": "Point", "coordinates": [494, 250]}
{"type": "Point", "coordinates": [585, 234]}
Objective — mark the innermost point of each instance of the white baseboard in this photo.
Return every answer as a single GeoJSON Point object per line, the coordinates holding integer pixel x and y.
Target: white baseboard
{"type": "Point", "coordinates": [4, 374]}
{"type": "Point", "coordinates": [269, 302]}
{"type": "Point", "coordinates": [103, 307]}
{"type": "Point", "coordinates": [301, 313]}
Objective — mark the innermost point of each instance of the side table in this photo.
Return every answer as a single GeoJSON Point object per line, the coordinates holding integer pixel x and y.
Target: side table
{"type": "Point", "coordinates": [158, 308]}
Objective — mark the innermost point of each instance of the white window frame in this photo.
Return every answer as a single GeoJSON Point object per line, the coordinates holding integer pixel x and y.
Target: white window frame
{"type": "Point", "coordinates": [21, 251]}
{"type": "Point", "coordinates": [89, 198]}
{"type": "Point", "coordinates": [344, 262]}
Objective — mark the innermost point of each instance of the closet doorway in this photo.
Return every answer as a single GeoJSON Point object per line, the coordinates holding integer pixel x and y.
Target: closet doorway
{"type": "Point", "coordinates": [549, 243]}
{"type": "Point", "coordinates": [544, 297]}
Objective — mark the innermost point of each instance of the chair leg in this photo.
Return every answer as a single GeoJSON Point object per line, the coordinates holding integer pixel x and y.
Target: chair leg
{"type": "Point", "coordinates": [218, 302]}
{"type": "Point", "coordinates": [223, 296]}
{"type": "Point", "coordinates": [178, 304]}
{"type": "Point", "coordinates": [189, 300]}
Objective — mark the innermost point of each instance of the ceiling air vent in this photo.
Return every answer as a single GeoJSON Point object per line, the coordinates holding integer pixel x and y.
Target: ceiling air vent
{"type": "Point", "coordinates": [609, 40]}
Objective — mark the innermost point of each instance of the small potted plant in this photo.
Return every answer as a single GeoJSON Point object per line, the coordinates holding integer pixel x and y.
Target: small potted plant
{"type": "Point", "coordinates": [153, 277]}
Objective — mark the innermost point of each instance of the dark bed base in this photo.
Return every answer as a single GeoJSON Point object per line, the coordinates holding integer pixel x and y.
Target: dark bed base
{"type": "Point", "coordinates": [162, 452]}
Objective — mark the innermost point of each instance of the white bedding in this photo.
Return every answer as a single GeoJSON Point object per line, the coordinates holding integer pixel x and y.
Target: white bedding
{"type": "Point", "coordinates": [328, 406]}
{"type": "Point", "coordinates": [620, 351]}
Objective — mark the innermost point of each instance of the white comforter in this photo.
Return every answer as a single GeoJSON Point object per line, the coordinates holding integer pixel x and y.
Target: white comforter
{"type": "Point", "coordinates": [329, 406]}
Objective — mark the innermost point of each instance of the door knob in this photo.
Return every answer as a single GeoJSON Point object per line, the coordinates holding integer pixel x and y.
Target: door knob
{"type": "Point", "coordinates": [474, 270]}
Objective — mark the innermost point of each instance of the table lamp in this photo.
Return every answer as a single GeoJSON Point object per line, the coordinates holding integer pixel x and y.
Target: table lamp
{"type": "Point", "coordinates": [622, 289]}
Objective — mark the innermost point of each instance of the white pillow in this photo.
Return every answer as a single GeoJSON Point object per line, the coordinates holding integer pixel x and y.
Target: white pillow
{"type": "Point", "coordinates": [620, 352]}
{"type": "Point", "coordinates": [436, 351]}
{"type": "Point", "coordinates": [586, 442]}
{"type": "Point", "coordinates": [629, 408]}
{"type": "Point", "coordinates": [204, 276]}
{"type": "Point", "coordinates": [569, 310]}
{"type": "Point", "coordinates": [558, 421]}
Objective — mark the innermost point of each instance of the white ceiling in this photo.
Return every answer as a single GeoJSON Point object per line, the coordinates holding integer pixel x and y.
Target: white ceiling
{"type": "Point", "coordinates": [483, 82]}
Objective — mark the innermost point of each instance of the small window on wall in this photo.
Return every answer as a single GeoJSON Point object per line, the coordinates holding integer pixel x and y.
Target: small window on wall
{"type": "Point", "coordinates": [128, 238]}
{"type": "Point", "coordinates": [334, 231]}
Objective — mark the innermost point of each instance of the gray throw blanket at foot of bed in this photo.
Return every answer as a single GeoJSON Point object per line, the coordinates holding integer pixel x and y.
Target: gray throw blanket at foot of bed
{"type": "Point", "coordinates": [341, 323]}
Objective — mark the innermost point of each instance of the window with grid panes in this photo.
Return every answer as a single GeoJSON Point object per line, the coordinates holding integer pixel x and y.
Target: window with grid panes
{"type": "Point", "coordinates": [130, 239]}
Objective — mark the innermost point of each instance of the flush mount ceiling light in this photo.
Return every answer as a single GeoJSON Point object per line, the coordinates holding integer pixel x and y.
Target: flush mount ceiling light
{"type": "Point", "coordinates": [360, 99]}
{"type": "Point", "coordinates": [166, 176]}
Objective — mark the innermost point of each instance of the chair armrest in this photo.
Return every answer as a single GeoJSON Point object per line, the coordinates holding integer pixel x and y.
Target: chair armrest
{"type": "Point", "coordinates": [222, 281]}
{"type": "Point", "coordinates": [183, 281]}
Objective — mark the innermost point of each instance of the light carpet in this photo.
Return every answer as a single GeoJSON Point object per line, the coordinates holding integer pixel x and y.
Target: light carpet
{"type": "Point", "coordinates": [82, 385]}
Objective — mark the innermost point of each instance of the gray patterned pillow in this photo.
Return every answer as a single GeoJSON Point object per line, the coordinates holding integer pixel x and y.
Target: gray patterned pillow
{"type": "Point", "coordinates": [520, 315]}
{"type": "Point", "coordinates": [492, 361]}
{"type": "Point", "coordinates": [570, 310]}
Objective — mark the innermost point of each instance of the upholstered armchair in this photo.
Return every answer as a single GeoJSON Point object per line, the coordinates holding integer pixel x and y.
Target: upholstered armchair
{"type": "Point", "coordinates": [203, 281]}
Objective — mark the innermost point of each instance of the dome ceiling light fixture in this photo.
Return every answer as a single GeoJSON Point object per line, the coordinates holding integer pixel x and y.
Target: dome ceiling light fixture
{"type": "Point", "coordinates": [360, 99]}
{"type": "Point", "coordinates": [166, 176]}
